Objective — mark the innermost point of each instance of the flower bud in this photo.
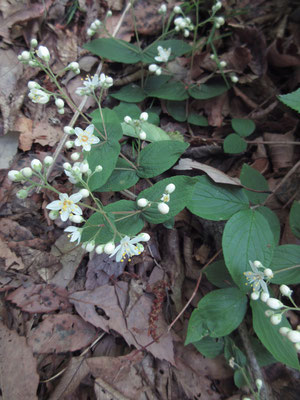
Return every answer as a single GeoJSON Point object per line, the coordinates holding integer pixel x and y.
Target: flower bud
{"type": "Point", "coordinates": [73, 65]}
{"type": "Point", "coordinates": [177, 10]}
{"type": "Point", "coordinates": [297, 347]}
{"type": "Point", "coordinates": [276, 319]}
{"type": "Point", "coordinates": [84, 167]}
{"type": "Point", "coordinates": [109, 13]}
{"type": "Point", "coordinates": [33, 43]}
{"type": "Point", "coordinates": [274, 303]}
{"type": "Point", "coordinates": [285, 290]}
{"type": "Point", "coordinates": [90, 32]}
{"type": "Point", "coordinates": [109, 248]}
{"type": "Point", "coordinates": [153, 67]}
{"type": "Point", "coordinates": [27, 172]}
{"type": "Point", "coordinates": [163, 208]}
{"type": "Point", "coordinates": [48, 160]}
{"type": "Point", "coordinates": [75, 156]}
{"type": "Point", "coordinates": [84, 192]}
{"type": "Point", "coordinates": [264, 296]}
{"type": "Point", "coordinates": [69, 130]}
{"type": "Point", "coordinates": [269, 313]}
{"type": "Point", "coordinates": [67, 166]}
{"type": "Point", "coordinates": [61, 111]}
{"type": "Point", "coordinates": [143, 135]}
{"type": "Point", "coordinates": [158, 71]}
{"type": "Point", "coordinates": [22, 194]}
{"type": "Point", "coordinates": [14, 175]}
{"type": "Point", "coordinates": [293, 336]}
{"type": "Point", "coordinates": [69, 144]}
{"type": "Point", "coordinates": [220, 21]}
{"type": "Point", "coordinates": [212, 57]}
{"type": "Point", "coordinates": [145, 236]}
{"type": "Point", "coordinates": [234, 79]}
{"type": "Point", "coordinates": [268, 273]}
{"type": "Point", "coordinates": [170, 188]}
{"type": "Point", "coordinates": [257, 264]}
{"type": "Point", "coordinates": [25, 55]}
{"type": "Point", "coordinates": [284, 330]}
{"type": "Point", "coordinates": [258, 383]}
{"type": "Point", "coordinates": [144, 116]}
{"type": "Point", "coordinates": [97, 23]}
{"type": "Point", "coordinates": [223, 64]}
{"type": "Point", "coordinates": [53, 214]}
{"type": "Point", "coordinates": [77, 219]}
{"type": "Point", "coordinates": [99, 249]}
{"type": "Point", "coordinates": [127, 119]}
{"type": "Point", "coordinates": [99, 168]}
{"type": "Point", "coordinates": [43, 53]}
{"type": "Point", "coordinates": [33, 63]}
{"type": "Point", "coordinates": [186, 33]}
{"type": "Point", "coordinates": [90, 246]}
{"type": "Point", "coordinates": [162, 9]}
{"type": "Point", "coordinates": [142, 202]}
{"type": "Point", "coordinates": [254, 295]}
{"type": "Point", "coordinates": [59, 103]}
{"type": "Point", "coordinates": [36, 165]}
{"type": "Point", "coordinates": [93, 26]}
{"type": "Point", "coordinates": [33, 85]}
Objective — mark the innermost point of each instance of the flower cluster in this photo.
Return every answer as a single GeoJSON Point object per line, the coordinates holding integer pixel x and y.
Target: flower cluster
{"type": "Point", "coordinates": [73, 66]}
{"type": "Point", "coordinates": [137, 124]}
{"type": "Point", "coordinates": [93, 28]}
{"type": "Point", "coordinates": [92, 83]}
{"type": "Point", "coordinates": [292, 335]}
{"type": "Point", "coordinates": [163, 56]}
{"type": "Point", "coordinates": [256, 278]}
{"type": "Point", "coordinates": [66, 206]}
{"type": "Point", "coordinates": [85, 138]}
{"type": "Point", "coordinates": [184, 24]}
{"type": "Point", "coordinates": [162, 207]}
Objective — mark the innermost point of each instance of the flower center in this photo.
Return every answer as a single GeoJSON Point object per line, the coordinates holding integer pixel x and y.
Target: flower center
{"type": "Point", "coordinates": [66, 204]}
{"type": "Point", "coordinates": [84, 138]}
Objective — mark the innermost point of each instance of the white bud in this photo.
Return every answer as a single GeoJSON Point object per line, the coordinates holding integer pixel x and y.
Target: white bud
{"type": "Point", "coordinates": [93, 26]}
{"type": "Point", "coordinates": [162, 9]}
{"type": "Point", "coordinates": [77, 71]}
{"type": "Point", "coordinates": [75, 156]}
{"type": "Point", "coordinates": [177, 10]}
{"type": "Point", "coordinates": [99, 249]}
{"type": "Point", "coordinates": [274, 303]}
{"type": "Point", "coordinates": [43, 53]}
{"type": "Point", "coordinates": [22, 194]}
{"type": "Point", "coordinates": [153, 67]}
{"type": "Point", "coordinates": [97, 23]}
{"type": "Point", "coordinates": [99, 168]}
{"type": "Point", "coordinates": [284, 330]}
{"type": "Point", "coordinates": [223, 64]}
{"type": "Point", "coordinates": [53, 214]}
{"type": "Point", "coordinates": [61, 111]}
{"type": "Point", "coordinates": [127, 119]}
{"type": "Point", "coordinates": [158, 71]}
{"type": "Point", "coordinates": [186, 33]}
{"type": "Point", "coordinates": [33, 85]}
{"type": "Point", "coordinates": [90, 246]}
{"type": "Point", "coordinates": [36, 165]}
{"type": "Point", "coordinates": [217, 6]}
{"type": "Point", "coordinates": [234, 79]}
{"type": "Point", "coordinates": [285, 290]}
{"type": "Point", "coordinates": [142, 202]}
{"type": "Point", "coordinates": [212, 57]}
{"type": "Point", "coordinates": [33, 43]}
{"type": "Point", "coordinates": [254, 295]}
{"type": "Point", "coordinates": [163, 208]}
{"type": "Point", "coordinates": [59, 103]}
{"type": "Point", "coordinates": [73, 65]}
{"type": "Point", "coordinates": [220, 20]}
{"type": "Point", "coordinates": [145, 236]}
{"type": "Point", "coordinates": [84, 192]}
{"type": "Point", "coordinates": [69, 144]}
{"type": "Point", "coordinates": [170, 188]}
{"type": "Point", "coordinates": [264, 296]}
{"type": "Point", "coordinates": [144, 116]}
{"type": "Point", "coordinates": [25, 55]}
{"type": "Point", "coordinates": [293, 336]}
{"type": "Point", "coordinates": [257, 264]}
{"type": "Point", "coordinates": [109, 248]}
{"type": "Point", "coordinates": [258, 383]}
{"type": "Point", "coordinates": [276, 319]}
{"type": "Point", "coordinates": [90, 32]}
{"type": "Point", "coordinates": [27, 172]}
{"type": "Point", "coordinates": [69, 130]}
{"type": "Point", "coordinates": [297, 347]}
{"type": "Point", "coordinates": [48, 160]}
{"type": "Point", "coordinates": [84, 167]}
{"type": "Point", "coordinates": [269, 313]}
{"type": "Point", "coordinates": [14, 175]}
{"type": "Point", "coordinates": [77, 219]}
{"type": "Point", "coordinates": [268, 273]}
{"type": "Point", "coordinates": [67, 166]}
{"type": "Point", "coordinates": [109, 13]}
{"type": "Point", "coordinates": [143, 135]}
{"type": "Point", "coordinates": [32, 63]}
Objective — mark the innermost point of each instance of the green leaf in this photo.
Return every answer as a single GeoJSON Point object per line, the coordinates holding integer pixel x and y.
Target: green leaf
{"type": "Point", "coordinates": [158, 157]}
{"type": "Point", "coordinates": [114, 50]}
{"type": "Point", "coordinates": [208, 90]}
{"type": "Point", "coordinates": [98, 228]}
{"type": "Point", "coordinates": [232, 350]}
{"type": "Point", "coordinates": [122, 177]}
{"type": "Point", "coordinates": [210, 347]}
{"type": "Point", "coordinates": [221, 312]}
{"type": "Point", "coordinates": [154, 82]}
{"type": "Point", "coordinates": [263, 356]}
{"type": "Point", "coordinates": [244, 127]}
{"type": "Point", "coordinates": [173, 90]}
{"type": "Point", "coordinates": [239, 379]}
{"type": "Point", "coordinates": [273, 221]}
{"type": "Point", "coordinates": [295, 218]}
{"type": "Point", "coordinates": [218, 274]}
{"type": "Point", "coordinates": [215, 201]}
{"type": "Point", "coordinates": [179, 47]}
{"type": "Point", "coordinates": [287, 257]}
{"type": "Point", "coordinates": [234, 144]}
{"type": "Point", "coordinates": [177, 109]}
{"type": "Point", "coordinates": [197, 328]}
{"type": "Point", "coordinates": [279, 346]}
{"type": "Point", "coordinates": [246, 237]}
{"type": "Point", "coordinates": [253, 179]}
{"type": "Point", "coordinates": [124, 109]}
{"type": "Point", "coordinates": [178, 199]}
{"type": "Point", "coordinates": [197, 119]}
{"type": "Point", "coordinates": [131, 93]}
{"type": "Point", "coordinates": [127, 217]}
{"type": "Point", "coordinates": [154, 133]}
{"type": "Point", "coordinates": [291, 100]}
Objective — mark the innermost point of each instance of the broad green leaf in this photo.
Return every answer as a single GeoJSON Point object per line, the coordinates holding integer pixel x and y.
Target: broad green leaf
{"type": "Point", "coordinates": [215, 201]}
{"type": "Point", "coordinates": [273, 220]}
{"type": "Point", "coordinates": [177, 109]}
{"type": "Point", "coordinates": [178, 199]}
{"type": "Point", "coordinates": [154, 82]}
{"type": "Point", "coordinates": [295, 218]}
{"type": "Point", "coordinates": [279, 346]}
{"type": "Point", "coordinates": [232, 350]}
{"type": "Point", "coordinates": [114, 50]}
{"type": "Point", "coordinates": [244, 127]}
{"type": "Point", "coordinates": [221, 311]}
{"type": "Point", "coordinates": [154, 133]}
{"type": "Point", "coordinates": [131, 93]}
{"type": "Point", "coordinates": [263, 356]}
{"type": "Point", "coordinates": [253, 179]}
{"type": "Point", "coordinates": [197, 328]}
{"type": "Point", "coordinates": [178, 47]}
{"type": "Point", "coordinates": [196, 119]}
{"type": "Point", "coordinates": [173, 90]}
{"type": "Point", "coordinates": [239, 379]}
{"type": "Point", "coordinates": [218, 274]}
{"type": "Point", "coordinates": [287, 257]}
{"type": "Point", "coordinates": [124, 109]}
{"type": "Point", "coordinates": [291, 100]}
{"type": "Point", "coordinates": [210, 347]}
{"type": "Point", "coordinates": [123, 177]}
{"type": "Point", "coordinates": [208, 90]}
{"type": "Point", "coordinates": [127, 217]}
{"type": "Point", "coordinates": [234, 144]}
{"type": "Point", "coordinates": [158, 157]}
{"type": "Point", "coordinates": [247, 236]}
{"type": "Point", "coordinates": [98, 228]}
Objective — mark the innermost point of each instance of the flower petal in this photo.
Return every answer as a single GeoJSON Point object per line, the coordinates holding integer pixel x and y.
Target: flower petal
{"type": "Point", "coordinates": [55, 205]}
{"type": "Point", "coordinates": [76, 210]}
{"type": "Point", "coordinates": [64, 215]}
{"type": "Point", "coordinates": [90, 129]}
{"type": "Point", "coordinates": [76, 197]}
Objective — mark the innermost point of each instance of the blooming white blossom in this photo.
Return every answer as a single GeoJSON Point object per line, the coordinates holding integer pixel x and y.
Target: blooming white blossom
{"type": "Point", "coordinates": [75, 233]}
{"type": "Point", "coordinates": [165, 198]}
{"type": "Point", "coordinates": [129, 247]}
{"type": "Point", "coordinates": [38, 96]}
{"type": "Point", "coordinates": [256, 278]}
{"type": "Point", "coordinates": [90, 84]}
{"type": "Point", "coordinates": [85, 137]}
{"type": "Point", "coordinates": [43, 53]}
{"type": "Point", "coordinates": [164, 54]}
{"type": "Point", "coordinates": [163, 208]}
{"type": "Point", "coordinates": [66, 205]}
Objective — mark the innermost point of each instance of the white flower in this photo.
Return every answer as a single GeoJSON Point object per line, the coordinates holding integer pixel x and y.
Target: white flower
{"type": "Point", "coordinates": [90, 85]}
{"type": "Point", "coordinates": [170, 188]}
{"type": "Point", "coordinates": [275, 304]}
{"type": "Point", "coordinates": [129, 247]}
{"type": "Point", "coordinates": [293, 336]}
{"type": "Point", "coordinates": [85, 137]}
{"type": "Point", "coordinates": [106, 81]}
{"type": "Point", "coordinates": [162, 9]}
{"type": "Point", "coordinates": [163, 208]}
{"type": "Point", "coordinates": [143, 135]}
{"type": "Point", "coordinates": [276, 319]}
{"type": "Point", "coordinates": [164, 54]}
{"type": "Point", "coordinates": [144, 116]}
{"type": "Point", "coordinates": [36, 165]}
{"type": "Point", "coordinates": [256, 278]}
{"type": "Point", "coordinates": [66, 205]}
{"type": "Point", "coordinates": [165, 198]}
{"type": "Point", "coordinates": [59, 103]}
{"type": "Point", "coordinates": [38, 96]}
{"type": "Point", "coordinates": [75, 233]}
{"type": "Point", "coordinates": [109, 248]}
{"type": "Point", "coordinates": [285, 290]}
{"type": "Point", "coordinates": [43, 53]}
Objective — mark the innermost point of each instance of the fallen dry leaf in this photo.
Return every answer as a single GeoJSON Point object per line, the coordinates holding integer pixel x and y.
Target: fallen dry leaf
{"type": "Point", "coordinates": [18, 377]}
{"type": "Point", "coordinates": [280, 154]}
{"type": "Point", "coordinates": [61, 333]}
{"type": "Point", "coordinates": [40, 298]}
{"type": "Point", "coordinates": [10, 259]}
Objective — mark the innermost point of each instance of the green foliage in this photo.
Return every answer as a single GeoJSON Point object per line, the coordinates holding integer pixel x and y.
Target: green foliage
{"type": "Point", "coordinates": [210, 347]}
{"type": "Point", "coordinates": [295, 218]}
{"type": "Point", "coordinates": [234, 144]}
{"type": "Point", "coordinates": [123, 177]}
{"type": "Point", "coordinates": [291, 100]}
{"type": "Point", "coordinates": [177, 109]}
{"type": "Point", "coordinates": [131, 93]}
{"type": "Point", "coordinates": [253, 179]}
{"type": "Point", "coordinates": [273, 221]}
{"type": "Point", "coordinates": [98, 228]}
{"type": "Point", "coordinates": [218, 274]}
{"type": "Point", "coordinates": [243, 127]}
{"type": "Point", "coordinates": [286, 257]}
{"type": "Point", "coordinates": [127, 217]}
{"type": "Point", "coordinates": [213, 88]}
{"type": "Point", "coordinates": [196, 119]}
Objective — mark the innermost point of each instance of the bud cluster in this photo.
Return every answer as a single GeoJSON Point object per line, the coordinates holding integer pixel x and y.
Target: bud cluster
{"type": "Point", "coordinates": [137, 124]}
{"type": "Point", "coordinates": [93, 28]}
